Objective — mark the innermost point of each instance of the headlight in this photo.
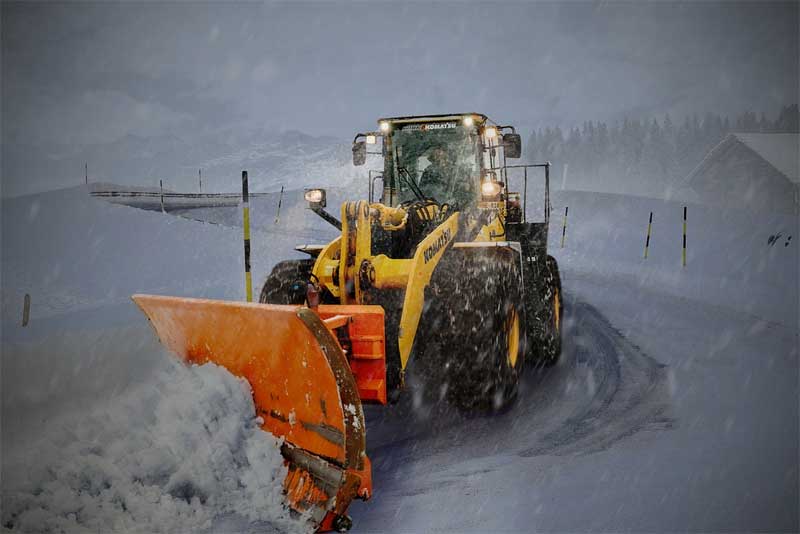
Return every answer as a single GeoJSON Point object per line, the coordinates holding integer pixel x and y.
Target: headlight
{"type": "Point", "coordinates": [384, 126]}
{"type": "Point", "coordinates": [490, 132]}
{"type": "Point", "coordinates": [491, 189]}
{"type": "Point", "coordinates": [315, 196]}
{"type": "Point", "coordinates": [371, 140]}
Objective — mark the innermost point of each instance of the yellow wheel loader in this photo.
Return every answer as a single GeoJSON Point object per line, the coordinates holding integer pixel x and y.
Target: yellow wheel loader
{"type": "Point", "coordinates": [443, 275]}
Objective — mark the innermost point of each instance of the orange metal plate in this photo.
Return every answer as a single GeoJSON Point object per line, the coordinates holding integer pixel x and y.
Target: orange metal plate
{"type": "Point", "coordinates": [302, 383]}
{"type": "Point", "coordinates": [294, 388]}
{"type": "Point", "coordinates": [368, 355]}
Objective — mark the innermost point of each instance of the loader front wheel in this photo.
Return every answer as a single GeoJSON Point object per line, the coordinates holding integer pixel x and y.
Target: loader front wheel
{"type": "Point", "coordinates": [478, 355]}
{"type": "Point", "coordinates": [287, 283]}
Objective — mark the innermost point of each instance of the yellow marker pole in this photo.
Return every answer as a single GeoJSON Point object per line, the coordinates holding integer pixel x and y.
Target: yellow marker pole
{"type": "Point", "coordinates": [248, 280]}
{"type": "Point", "coordinates": [683, 252]}
{"type": "Point", "coordinates": [564, 227]}
{"type": "Point", "coordinates": [647, 241]}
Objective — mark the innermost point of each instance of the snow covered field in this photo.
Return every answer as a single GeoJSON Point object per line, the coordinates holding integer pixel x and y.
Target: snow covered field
{"type": "Point", "coordinates": [674, 406]}
{"type": "Point", "coordinates": [102, 430]}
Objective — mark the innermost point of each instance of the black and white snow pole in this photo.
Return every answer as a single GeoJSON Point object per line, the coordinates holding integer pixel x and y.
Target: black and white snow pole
{"type": "Point", "coordinates": [683, 251]}
{"type": "Point", "coordinates": [161, 187]}
{"type": "Point", "coordinates": [86, 173]}
{"type": "Point", "coordinates": [647, 240]}
{"type": "Point", "coordinates": [200, 178]}
{"type": "Point", "coordinates": [26, 309]}
{"type": "Point", "coordinates": [248, 281]}
{"type": "Point", "coordinates": [564, 227]}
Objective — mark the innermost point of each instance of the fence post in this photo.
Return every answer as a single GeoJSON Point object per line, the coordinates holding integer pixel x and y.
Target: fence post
{"type": "Point", "coordinates": [280, 201]}
{"type": "Point", "coordinates": [564, 227]}
{"type": "Point", "coordinates": [26, 309]}
{"type": "Point", "coordinates": [647, 241]}
{"type": "Point", "coordinates": [248, 281]}
{"type": "Point", "coordinates": [683, 252]}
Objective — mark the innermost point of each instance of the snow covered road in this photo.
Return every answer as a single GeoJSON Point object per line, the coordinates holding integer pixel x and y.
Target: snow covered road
{"type": "Point", "coordinates": [684, 433]}
{"type": "Point", "coordinates": [673, 407]}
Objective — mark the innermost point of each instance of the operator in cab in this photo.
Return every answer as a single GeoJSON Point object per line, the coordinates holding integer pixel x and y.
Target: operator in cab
{"type": "Point", "coordinates": [446, 181]}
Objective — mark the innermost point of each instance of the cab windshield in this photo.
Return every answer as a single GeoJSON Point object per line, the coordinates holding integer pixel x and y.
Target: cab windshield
{"type": "Point", "coordinates": [439, 158]}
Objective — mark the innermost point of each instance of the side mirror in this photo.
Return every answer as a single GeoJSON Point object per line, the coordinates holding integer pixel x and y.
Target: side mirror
{"type": "Point", "coordinates": [512, 145]}
{"type": "Point", "coordinates": [359, 153]}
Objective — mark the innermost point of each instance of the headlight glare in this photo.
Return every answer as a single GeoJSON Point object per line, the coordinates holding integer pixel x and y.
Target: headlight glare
{"type": "Point", "coordinates": [315, 196]}
{"type": "Point", "coordinates": [491, 189]}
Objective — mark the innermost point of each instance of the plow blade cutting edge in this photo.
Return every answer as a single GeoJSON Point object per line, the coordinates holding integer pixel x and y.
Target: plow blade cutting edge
{"type": "Point", "coordinates": [302, 385]}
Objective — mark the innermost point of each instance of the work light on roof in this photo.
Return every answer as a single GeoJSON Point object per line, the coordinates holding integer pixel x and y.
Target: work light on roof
{"type": "Point", "coordinates": [468, 121]}
{"type": "Point", "coordinates": [490, 132]}
{"type": "Point", "coordinates": [384, 126]}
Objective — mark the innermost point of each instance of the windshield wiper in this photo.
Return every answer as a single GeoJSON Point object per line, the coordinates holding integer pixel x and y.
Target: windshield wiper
{"type": "Point", "coordinates": [411, 184]}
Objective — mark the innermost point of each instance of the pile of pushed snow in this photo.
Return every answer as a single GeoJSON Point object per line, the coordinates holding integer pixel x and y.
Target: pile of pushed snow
{"type": "Point", "coordinates": [173, 455]}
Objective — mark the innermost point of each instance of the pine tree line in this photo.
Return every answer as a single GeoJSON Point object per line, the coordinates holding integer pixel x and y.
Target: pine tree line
{"type": "Point", "coordinates": [643, 157]}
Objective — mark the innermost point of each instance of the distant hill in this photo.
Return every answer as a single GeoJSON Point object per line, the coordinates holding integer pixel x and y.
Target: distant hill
{"type": "Point", "coordinates": [291, 159]}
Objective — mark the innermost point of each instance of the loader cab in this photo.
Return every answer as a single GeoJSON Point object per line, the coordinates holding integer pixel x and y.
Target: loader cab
{"type": "Point", "coordinates": [447, 158]}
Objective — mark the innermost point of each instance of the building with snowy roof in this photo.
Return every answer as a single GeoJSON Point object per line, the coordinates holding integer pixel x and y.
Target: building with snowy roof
{"type": "Point", "coordinates": [757, 171]}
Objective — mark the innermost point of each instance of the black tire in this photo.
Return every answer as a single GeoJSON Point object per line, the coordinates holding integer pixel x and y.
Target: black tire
{"type": "Point", "coordinates": [287, 283]}
{"type": "Point", "coordinates": [554, 312]}
{"type": "Point", "coordinates": [473, 306]}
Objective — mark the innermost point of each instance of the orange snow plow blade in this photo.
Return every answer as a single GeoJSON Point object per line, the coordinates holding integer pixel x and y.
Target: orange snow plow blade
{"type": "Point", "coordinates": [302, 385]}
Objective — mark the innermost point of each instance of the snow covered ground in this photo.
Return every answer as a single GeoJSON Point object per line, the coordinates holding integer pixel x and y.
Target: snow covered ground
{"type": "Point", "coordinates": [102, 430]}
{"type": "Point", "coordinates": [674, 406]}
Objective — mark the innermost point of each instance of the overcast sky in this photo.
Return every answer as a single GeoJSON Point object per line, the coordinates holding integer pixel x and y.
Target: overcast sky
{"type": "Point", "coordinates": [82, 73]}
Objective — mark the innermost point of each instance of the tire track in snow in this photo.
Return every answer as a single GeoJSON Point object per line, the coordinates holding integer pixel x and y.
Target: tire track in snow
{"type": "Point", "coordinates": [603, 390]}
{"type": "Point", "coordinates": [627, 389]}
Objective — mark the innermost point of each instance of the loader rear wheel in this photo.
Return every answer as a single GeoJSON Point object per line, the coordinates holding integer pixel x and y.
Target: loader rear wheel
{"type": "Point", "coordinates": [287, 283]}
{"type": "Point", "coordinates": [551, 340]}
{"type": "Point", "coordinates": [476, 354]}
